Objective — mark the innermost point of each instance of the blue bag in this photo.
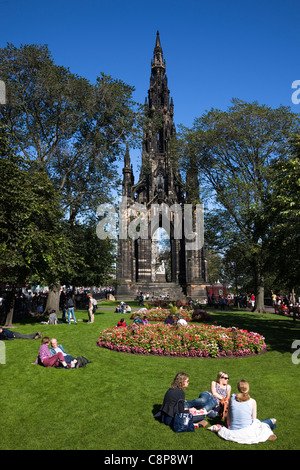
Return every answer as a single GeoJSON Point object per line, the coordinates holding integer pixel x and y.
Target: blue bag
{"type": "Point", "coordinates": [183, 422]}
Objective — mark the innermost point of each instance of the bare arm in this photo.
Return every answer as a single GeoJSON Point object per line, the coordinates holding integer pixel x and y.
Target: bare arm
{"type": "Point", "coordinates": [254, 408]}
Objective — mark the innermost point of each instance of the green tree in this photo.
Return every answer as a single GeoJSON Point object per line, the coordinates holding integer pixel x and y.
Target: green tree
{"type": "Point", "coordinates": [98, 257]}
{"type": "Point", "coordinates": [283, 204]}
{"type": "Point", "coordinates": [234, 150]}
{"type": "Point", "coordinates": [67, 127]}
{"type": "Point", "coordinates": [71, 128]}
{"type": "Point", "coordinates": [32, 246]}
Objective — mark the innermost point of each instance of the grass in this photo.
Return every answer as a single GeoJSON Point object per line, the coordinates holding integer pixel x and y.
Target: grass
{"type": "Point", "coordinates": [108, 405]}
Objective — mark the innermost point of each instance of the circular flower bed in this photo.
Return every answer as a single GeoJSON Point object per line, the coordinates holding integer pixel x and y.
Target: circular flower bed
{"type": "Point", "coordinates": [191, 341]}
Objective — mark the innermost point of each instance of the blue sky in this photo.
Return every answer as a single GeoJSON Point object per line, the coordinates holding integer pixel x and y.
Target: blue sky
{"type": "Point", "coordinates": [214, 50]}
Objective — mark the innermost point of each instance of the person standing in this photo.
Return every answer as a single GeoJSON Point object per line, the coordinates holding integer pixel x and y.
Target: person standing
{"type": "Point", "coordinates": [91, 309]}
{"type": "Point", "coordinates": [71, 306]}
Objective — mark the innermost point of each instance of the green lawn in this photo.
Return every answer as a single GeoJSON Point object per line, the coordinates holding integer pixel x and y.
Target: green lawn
{"type": "Point", "coordinates": [108, 405]}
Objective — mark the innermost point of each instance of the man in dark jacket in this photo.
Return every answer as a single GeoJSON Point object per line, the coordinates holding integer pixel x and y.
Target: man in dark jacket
{"type": "Point", "coordinates": [6, 334]}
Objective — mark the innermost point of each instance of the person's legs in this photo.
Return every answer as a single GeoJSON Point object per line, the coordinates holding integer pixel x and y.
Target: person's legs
{"type": "Point", "coordinates": [55, 360]}
{"type": "Point", "coordinates": [69, 358]}
{"type": "Point", "coordinates": [205, 400]}
{"type": "Point", "coordinates": [270, 422]}
{"type": "Point", "coordinates": [73, 313]}
{"type": "Point", "coordinates": [30, 336]}
{"type": "Point", "coordinates": [91, 315]}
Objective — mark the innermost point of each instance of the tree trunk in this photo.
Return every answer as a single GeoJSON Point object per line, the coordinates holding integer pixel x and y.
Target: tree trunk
{"type": "Point", "coordinates": [259, 287]}
{"type": "Point", "coordinates": [53, 299]}
{"type": "Point", "coordinates": [260, 299]}
{"type": "Point", "coordinates": [11, 308]}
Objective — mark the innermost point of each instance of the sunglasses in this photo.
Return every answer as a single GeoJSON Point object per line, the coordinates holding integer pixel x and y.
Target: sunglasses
{"type": "Point", "coordinates": [225, 378]}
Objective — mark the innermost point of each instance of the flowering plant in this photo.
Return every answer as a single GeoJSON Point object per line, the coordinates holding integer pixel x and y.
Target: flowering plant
{"type": "Point", "coordinates": [191, 341]}
{"type": "Point", "coordinates": [160, 314]}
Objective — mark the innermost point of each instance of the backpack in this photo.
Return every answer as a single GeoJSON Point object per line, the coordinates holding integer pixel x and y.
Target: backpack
{"type": "Point", "coordinates": [95, 304]}
{"type": "Point", "coordinates": [81, 362]}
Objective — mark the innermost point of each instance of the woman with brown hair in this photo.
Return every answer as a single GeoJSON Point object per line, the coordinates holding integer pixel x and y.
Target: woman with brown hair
{"type": "Point", "coordinates": [243, 425]}
{"type": "Point", "coordinates": [174, 400]}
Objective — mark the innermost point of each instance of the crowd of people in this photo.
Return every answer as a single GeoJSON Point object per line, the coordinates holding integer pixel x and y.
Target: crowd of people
{"type": "Point", "coordinates": [27, 301]}
{"type": "Point", "coordinates": [288, 304]}
{"type": "Point", "coordinates": [239, 424]}
{"type": "Point", "coordinates": [224, 302]}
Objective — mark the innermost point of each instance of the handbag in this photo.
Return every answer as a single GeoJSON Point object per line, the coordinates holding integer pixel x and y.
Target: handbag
{"type": "Point", "coordinates": [183, 422]}
{"type": "Point", "coordinates": [224, 408]}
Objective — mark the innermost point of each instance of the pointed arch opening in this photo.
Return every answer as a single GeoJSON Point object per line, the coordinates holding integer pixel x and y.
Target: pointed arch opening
{"type": "Point", "coordinates": [161, 256]}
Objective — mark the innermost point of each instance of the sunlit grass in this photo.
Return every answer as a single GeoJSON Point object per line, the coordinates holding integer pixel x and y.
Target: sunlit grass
{"type": "Point", "coordinates": [108, 405]}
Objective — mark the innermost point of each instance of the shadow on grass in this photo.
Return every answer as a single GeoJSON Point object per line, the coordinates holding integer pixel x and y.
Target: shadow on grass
{"type": "Point", "coordinates": [279, 331]}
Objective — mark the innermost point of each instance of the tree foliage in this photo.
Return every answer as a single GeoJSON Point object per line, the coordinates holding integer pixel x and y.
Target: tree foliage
{"type": "Point", "coordinates": [65, 125]}
{"type": "Point", "coordinates": [234, 151]}
{"type": "Point", "coordinates": [69, 135]}
{"type": "Point", "coordinates": [32, 244]}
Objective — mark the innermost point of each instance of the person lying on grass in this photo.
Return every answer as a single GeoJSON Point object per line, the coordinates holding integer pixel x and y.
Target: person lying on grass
{"type": "Point", "coordinates": [56, 348]}
{"type": "Point", "coordinates": [6, 334]}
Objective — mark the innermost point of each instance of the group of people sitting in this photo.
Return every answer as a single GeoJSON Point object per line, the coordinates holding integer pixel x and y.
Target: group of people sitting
{"type": "Point", "coordinates": [56, 356]}
{"type": "Point", "coordinates": [241, 424]}
{"type": "Point", "coordinates": [123, 308]}
{"type": "Point", "coordinates": [137, 321]}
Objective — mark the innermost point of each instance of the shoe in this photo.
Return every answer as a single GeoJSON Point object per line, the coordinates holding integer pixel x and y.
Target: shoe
{"type": "Point", "coordinates": [215, 428]}
{"type": "Point", "coordinates": [202, 424]}
{"type": "Point", "coordinates": [212, 414]}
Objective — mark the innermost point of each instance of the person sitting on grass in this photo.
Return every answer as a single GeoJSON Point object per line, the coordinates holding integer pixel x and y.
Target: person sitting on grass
{"type": "Point", "coordinates": [219, 390]}
{"type": "Point", "coordinates": [52, 320]}
{"type": "Point", "coordinates": [137, 320]}
{"type": "Point", "coordinates": [46, 359]}
{"type": "Point", "coordinates": [174, 401]}
{"type": "Point", "coordinates": [56, 348]}
{"type": "Point", "coordinates": [121, 323]}
{"type": "Point", "coordinates": [242, 424]}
